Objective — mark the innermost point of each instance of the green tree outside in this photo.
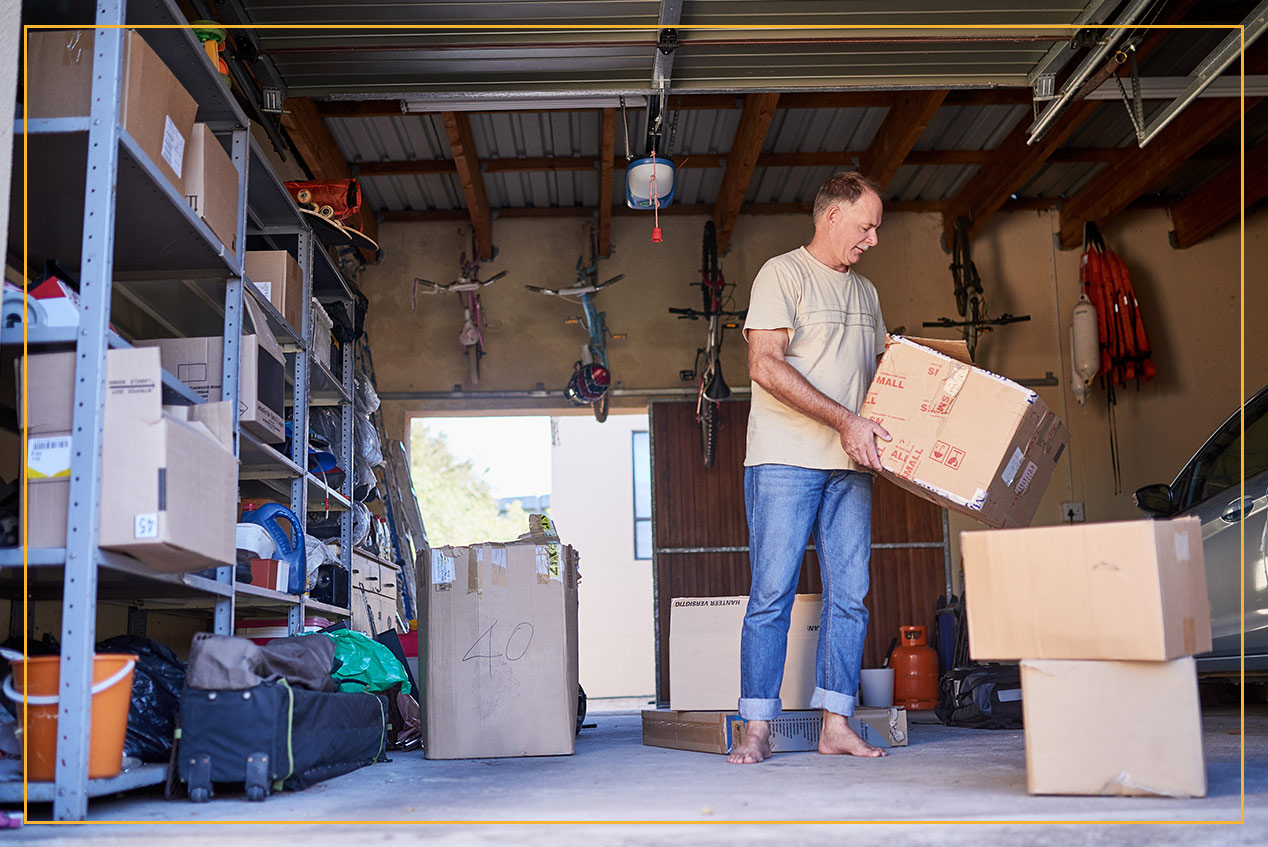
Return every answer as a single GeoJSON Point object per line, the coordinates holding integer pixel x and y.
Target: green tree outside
{"type": "Point", "coordinates": [457, 503]}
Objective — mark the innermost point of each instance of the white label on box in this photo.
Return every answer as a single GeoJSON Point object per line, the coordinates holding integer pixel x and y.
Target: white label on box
{"type": "Point", "coordinates": [48, 457]}
{"type": "Point", "coordinates": [499, 557]}
{"type": "Point", "coordinates": [173, 146]}
{"type": "Point", "coordinates": [442, 570]}
{"type": "Point", "coordinates": [146, 526]}
{"type": "Point", "coordinates": [1182, 546]}
{"type": "Point", "coordinates": [266, 288]}
{"type": "Point", "coordinates": [1010, 471]}
{"type": "Point", "coordinates": [978, 501]}
{"type": "Point", "coordinates": [1027, 475]}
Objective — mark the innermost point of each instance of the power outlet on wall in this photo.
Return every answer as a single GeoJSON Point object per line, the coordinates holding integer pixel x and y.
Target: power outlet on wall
{"type": "Point", "coordinates": [1072, 511]}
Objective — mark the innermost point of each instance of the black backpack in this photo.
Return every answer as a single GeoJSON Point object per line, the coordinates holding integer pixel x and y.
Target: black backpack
{"type": "Point", "coordinates": [984, 696]}
{"type": "Point", "coordinates": [979, 696]}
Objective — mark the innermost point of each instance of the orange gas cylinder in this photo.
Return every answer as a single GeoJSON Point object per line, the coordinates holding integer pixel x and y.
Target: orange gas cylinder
{"type": "Point", "coordinates": [915, 666]}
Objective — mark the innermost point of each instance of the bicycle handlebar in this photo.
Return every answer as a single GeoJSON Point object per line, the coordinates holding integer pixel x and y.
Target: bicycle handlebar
{"type": "Point", "coordinates": [694, 314]}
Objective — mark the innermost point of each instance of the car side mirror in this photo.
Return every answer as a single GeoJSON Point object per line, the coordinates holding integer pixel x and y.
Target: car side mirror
{"type": "Point", "coordinates": [1158, 500]}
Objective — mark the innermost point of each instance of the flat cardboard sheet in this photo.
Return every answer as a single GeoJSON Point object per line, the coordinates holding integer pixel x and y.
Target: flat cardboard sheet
{"type": "Point", "coordinates": [1113, 728]}
{"type": "Point", "coordinates": [1122, 590]}
{"type": "Point", "coordinates": [796, 731]}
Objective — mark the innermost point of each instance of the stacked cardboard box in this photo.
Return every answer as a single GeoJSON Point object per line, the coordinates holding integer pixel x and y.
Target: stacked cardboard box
{"type": "Point", "coordinates": [500, 662]}
{"type": "Point", "coordinates": [1105, 619]}
{"type": "Point", "coordinates": [704, 683]}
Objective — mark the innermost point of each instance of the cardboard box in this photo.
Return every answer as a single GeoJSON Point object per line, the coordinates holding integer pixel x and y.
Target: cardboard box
{"type": "Point", "coordinates": [270, 573]}
{"type": "Point", "coordinates": [963, 438]}
{"type": "Point", "coordinates": [278, 276]}
{"type": "Point", "coordinates": [704, 652]}
{"type": "Point", "coordinates": [1128, 590]}
{"type": "Point", "coordinates": [718, 732]}
{"type": "Point", "coordinates": [211, 185]}
{"type": "Point", "coordinates": [501, 663]}
{"type": "Point", "coordinates": [199, 363]}
{"type": "Point", "coordinates": [156, 110]}
{"type": "Point", "coordinates": [169, 476]}
{"type": "Point", "coordinates": [1113, 728]}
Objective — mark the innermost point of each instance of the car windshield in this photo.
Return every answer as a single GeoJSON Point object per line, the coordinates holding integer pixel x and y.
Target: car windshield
{"type": "Point", "coordinates": [1217, 466]}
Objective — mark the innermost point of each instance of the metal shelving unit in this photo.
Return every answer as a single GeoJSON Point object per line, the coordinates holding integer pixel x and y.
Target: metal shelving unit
{"type": "Point", "coordinates": [102, 207]}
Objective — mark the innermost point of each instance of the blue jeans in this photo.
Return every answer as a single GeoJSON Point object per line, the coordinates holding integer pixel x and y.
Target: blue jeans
{"type": "Point", "coordinates": [785, 504]}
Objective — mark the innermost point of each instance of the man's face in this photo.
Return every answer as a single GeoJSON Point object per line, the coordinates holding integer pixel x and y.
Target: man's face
{"type": "Point", "coordinates": [854, 227]}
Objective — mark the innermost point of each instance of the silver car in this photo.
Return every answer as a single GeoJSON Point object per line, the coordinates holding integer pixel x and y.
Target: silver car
{"type": "Point", "coordinates": [1209, 488]}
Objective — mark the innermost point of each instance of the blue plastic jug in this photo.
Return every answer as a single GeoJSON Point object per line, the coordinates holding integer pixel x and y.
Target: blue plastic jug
{"type": "Point", "coordinates": [288, 548]}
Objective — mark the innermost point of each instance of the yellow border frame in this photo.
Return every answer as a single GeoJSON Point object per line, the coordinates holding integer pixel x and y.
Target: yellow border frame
{"type": "Point", "coordinates": [26, 28]}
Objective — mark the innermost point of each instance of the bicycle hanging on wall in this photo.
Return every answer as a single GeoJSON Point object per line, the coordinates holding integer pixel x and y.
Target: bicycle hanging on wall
{"type": "Point", "coordinates": [970, 300]}
{"type": "Point", "coordinates": [467, 286]}
{"type": "Point", "coordinates": [715, 292]}
{"type": "Point", "coordinates": [591, 377]}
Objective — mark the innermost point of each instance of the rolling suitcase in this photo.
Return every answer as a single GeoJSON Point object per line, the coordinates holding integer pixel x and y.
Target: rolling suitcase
{"type": "Point", "coordinates": [273, 736]}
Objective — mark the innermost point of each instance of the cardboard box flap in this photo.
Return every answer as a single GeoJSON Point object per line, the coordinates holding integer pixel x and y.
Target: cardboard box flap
{"type": "Point", "coordinates": [215, 420]}
{"type": "Point", "coordinates": [260, 326]}
{"type": "Point", "coordinates": [952, 349]}
{"type": "Point", "coordinates": [134, 385]}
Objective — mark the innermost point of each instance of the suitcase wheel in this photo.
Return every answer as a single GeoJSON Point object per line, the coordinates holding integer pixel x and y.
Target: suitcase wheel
{"type": "Point", "coordinates": [199, 794]}
{"type": "Point", "coordinates": [256, 793]}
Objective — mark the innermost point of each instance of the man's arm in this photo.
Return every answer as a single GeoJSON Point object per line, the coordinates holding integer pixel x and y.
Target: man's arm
{"type": "Point", "coordinates": [769, 369]}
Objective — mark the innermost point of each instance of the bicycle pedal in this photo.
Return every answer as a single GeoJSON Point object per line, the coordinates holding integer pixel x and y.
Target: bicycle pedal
{"type": "Point", "coordinates": [493, 326]}
{"type": "Point", "coordinates": [686, 376]}
{"type": "Point", "coordinates": [572, 321]}
{"type": "Point", "coordinates": [619, 336]}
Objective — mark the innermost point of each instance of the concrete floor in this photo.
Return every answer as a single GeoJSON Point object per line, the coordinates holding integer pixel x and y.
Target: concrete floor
{"type": "Point", "coordinates": [944, 778]}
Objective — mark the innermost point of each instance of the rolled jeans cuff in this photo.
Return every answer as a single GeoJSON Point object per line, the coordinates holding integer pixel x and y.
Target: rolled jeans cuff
{"type": "Point", "coordinates": [760, 709]}
{"type": "Point", "coordinates": [832, 701]}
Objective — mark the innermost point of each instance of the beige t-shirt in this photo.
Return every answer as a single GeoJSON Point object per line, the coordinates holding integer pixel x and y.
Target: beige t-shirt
{"type": "Point", "coordinates": [835, 332]}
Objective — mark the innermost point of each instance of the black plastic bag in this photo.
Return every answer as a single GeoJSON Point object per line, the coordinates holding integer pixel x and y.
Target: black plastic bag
{"type": "Point", "coordinates": [156, 696]}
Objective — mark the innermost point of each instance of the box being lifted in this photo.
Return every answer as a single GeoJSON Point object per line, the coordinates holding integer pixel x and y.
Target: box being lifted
{"type": "Point", "coordinates": [156, 109]}
{"type": "Point", "coordinates": [168, 474]}
{"type": "Point", "coordinates": [501, 661]}
{"type": "Point", "coordinates": [963, 438]}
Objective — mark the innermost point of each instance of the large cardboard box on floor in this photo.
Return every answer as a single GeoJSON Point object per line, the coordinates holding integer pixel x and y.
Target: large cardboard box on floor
{"type": "Point", "coordinates": [211, 185]}
{"type": "Point", "coordinates": [156, 110]}
{"type": "Point", "coordinates": [501, 653]}
{"type": "Point", "coordinates": [199, 363]}
{"type": "Point", "coordinates": [962, 437]}
{"type": "Point", "coordinates": [168, 474]}
{"type": "Point", "coordinates": [719, 732]}
{"type": "Point", "coordinates": [704, 652]}
{"type": "Point", "coordinates": [278, 276]}
{"type": "Point", "coordinates": [1113, 728]}
{"type": "Point", "coordinates": [1127, 590]}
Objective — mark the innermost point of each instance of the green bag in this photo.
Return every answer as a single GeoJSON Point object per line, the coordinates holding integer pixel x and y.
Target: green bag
{"type": "Point", "coordinates": [364, 664]}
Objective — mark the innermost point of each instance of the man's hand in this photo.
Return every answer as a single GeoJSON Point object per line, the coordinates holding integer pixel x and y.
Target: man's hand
{"type": "Point", "coordinates": [858, 439]}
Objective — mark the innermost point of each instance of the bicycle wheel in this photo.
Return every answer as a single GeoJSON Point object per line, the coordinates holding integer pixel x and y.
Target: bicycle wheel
{"type": "Point", "coordinates": [600, 407]}
{"type": "Point", "coordinates": [709, 267]}
{"type": "Point", "coordinates": [473, 364]}
{"type": "Point", "coordinates": [708, 431]}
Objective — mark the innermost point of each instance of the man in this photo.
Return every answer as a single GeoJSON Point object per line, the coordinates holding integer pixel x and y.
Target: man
{"type": "Point", "coordinates": [815, 334]}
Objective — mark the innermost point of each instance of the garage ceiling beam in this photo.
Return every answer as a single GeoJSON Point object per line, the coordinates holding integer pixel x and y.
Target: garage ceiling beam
{"type": "Point", "coordinates": [759, 111]}
{"type": "Point", "coordinates": [821, 159]}
{"type": "Point", "coordinates": [1215, 203]}
{"type": "Point", "coordinates": [1115, 188]}
{"type": "Point", "coordinates": [606, 173]}
{"type": "Point", "coordinates": [467, 164]}
{"type": "Point", "coordinates": [317, 147]}
{"type": "Point", "coordinates": [909, 113]}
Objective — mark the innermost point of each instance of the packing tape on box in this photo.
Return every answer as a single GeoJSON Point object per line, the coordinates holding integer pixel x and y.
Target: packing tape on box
{"type": "Point", "coordinates": [442, 570]}
{"type": "Point", "coordinates": [475, 558]}
{"type": "Point", "coordinates": [498, 557]}
{"type": "Point", "coordinates": [548, 564]}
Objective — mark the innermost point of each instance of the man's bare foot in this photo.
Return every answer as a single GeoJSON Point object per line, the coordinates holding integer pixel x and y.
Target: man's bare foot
{"type": "Point", "coordinates": [755, 746]}
{"type": "Point", "coordinates": [837, 739]}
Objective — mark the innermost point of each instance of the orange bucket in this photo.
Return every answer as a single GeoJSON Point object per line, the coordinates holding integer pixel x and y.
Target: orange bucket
{"type": "Point", "coordinates": [111, 698]}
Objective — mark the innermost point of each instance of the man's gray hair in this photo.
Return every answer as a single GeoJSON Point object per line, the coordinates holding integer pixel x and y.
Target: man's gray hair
{"type": "Point", "coordinates": [846, 187]}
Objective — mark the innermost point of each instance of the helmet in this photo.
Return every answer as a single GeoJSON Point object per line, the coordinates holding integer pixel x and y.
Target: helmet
{"type": "Point", "coordinates": [588, 384]}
